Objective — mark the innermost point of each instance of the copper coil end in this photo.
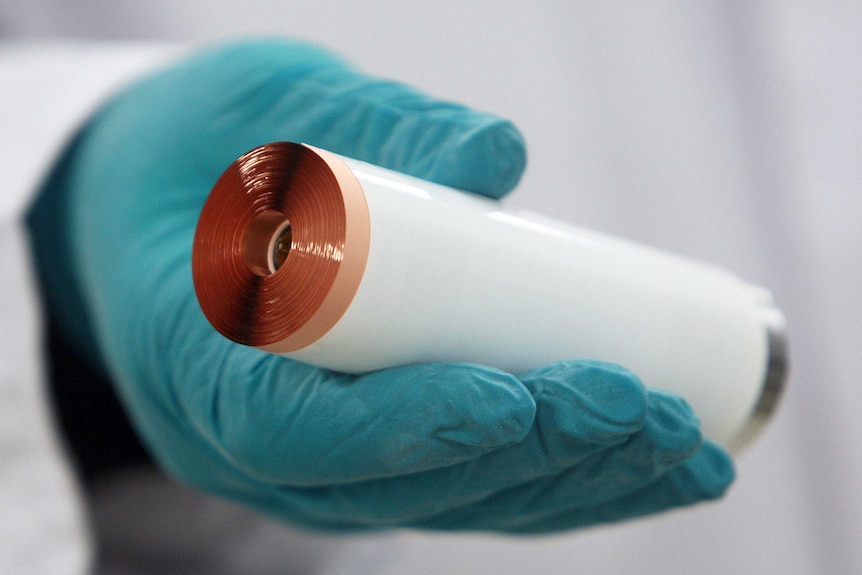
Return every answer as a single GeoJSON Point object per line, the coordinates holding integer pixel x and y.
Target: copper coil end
{"type": "Point", "coordinates": [281, 246]}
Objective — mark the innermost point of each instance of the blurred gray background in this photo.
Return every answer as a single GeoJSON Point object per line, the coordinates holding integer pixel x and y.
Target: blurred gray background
{"type": "Point", "coordinates": [728, 131]}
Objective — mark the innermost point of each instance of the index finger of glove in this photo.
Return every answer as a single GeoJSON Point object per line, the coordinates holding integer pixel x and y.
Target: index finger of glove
{"type": "Point", "coordinates": [247, 94]}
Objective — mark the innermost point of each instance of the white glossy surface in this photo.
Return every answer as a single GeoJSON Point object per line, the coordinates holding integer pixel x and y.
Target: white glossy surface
{"type": "Point", "coordinates": [453, 277]}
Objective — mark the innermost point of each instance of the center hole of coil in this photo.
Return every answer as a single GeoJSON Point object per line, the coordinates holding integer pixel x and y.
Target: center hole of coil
{"type": "Point", "coordinates": [266, 244]}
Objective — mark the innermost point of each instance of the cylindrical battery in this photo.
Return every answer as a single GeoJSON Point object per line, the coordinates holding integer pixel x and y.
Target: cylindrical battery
{"type": "Point", "coordinates": [348, 266]}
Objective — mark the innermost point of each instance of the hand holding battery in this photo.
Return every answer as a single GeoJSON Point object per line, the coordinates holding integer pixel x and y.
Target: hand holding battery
{"type": "Point", "coordinates": [438, 446]}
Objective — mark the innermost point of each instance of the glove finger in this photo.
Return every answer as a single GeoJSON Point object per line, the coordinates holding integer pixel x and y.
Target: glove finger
{"type": "Point", "coordinates": [402, 129]}
{"type": "Point", "coordinates": [275, 90]}
{"type": "Point", "coordinates": [670, 435]}
{"type": "Point", "coordinates": [705, 476]}
{"type": "Point", "coordinates": [416, 418]}
{"type": "Point", "coordinates": [493, 487]}
{"type": "Point", "coordinates": [283, 422]}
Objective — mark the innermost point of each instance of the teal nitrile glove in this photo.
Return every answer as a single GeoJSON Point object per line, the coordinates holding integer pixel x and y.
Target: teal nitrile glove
{"type": "Point", "coordinates": [432, 446]}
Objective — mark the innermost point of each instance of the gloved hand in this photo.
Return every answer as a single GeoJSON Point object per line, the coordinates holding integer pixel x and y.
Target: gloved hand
{"type": "Point", "coordinates": [432, 446]}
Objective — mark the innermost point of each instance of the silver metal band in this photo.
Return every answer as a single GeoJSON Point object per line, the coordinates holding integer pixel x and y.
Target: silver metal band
{"type": "Point", "coordinates": [774, 382]}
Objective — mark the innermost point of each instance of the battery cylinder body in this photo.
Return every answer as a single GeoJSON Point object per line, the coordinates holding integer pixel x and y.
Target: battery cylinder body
{"type": "Point", "coordinates": [352, 267]}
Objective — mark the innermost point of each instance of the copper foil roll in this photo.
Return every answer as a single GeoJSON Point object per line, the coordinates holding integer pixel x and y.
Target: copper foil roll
{"type": "Point", "coordinates": [280, 192]}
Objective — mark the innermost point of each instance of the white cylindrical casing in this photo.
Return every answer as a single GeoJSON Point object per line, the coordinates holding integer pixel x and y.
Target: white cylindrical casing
{"type": "Point", "coordinates": [453, 277]}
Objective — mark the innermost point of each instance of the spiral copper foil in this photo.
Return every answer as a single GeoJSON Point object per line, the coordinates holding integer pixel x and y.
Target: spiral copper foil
{"type": "Point", "coordinates": [255, 291]}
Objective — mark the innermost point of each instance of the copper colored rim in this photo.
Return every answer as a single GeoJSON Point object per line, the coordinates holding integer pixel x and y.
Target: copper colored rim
{"type": "Point", "coordinates": [274, 188]}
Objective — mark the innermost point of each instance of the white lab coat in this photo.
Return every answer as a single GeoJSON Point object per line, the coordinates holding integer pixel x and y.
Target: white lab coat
{"type": "Point", "coordinates": [41, 530]}
{"type": "Point", "coordinates": [730, 133]}
{"type": "Point", "coordinates": [42, 525]}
